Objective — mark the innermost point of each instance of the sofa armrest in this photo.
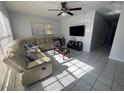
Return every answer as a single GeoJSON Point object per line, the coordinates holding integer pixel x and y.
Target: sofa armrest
{"type": "Point", "coordinates": [37, 73]}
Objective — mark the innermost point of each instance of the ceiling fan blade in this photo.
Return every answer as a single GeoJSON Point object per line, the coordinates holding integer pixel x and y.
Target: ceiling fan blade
{"type": "Point", "coordinates": [73, 9]}
{"type": "Point", "coordinates": [59, 13]}
{"type": "Point", "coordinates": [70, 13]}
{"type": "Point", "coordinates": [54, 10]}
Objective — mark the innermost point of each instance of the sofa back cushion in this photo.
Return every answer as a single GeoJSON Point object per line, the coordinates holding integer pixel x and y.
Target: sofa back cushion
{"type": "Point", "coordinates": [31, 56]}
{"type": "Point", "coordinates": [49, 40]}
{"type": "Point", "coordinates": [31, 41]}
{"type": "Point", "coordinates": [41, 40]}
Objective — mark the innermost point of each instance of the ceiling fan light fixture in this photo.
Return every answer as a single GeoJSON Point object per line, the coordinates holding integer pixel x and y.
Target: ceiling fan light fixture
{"type": "Point", "coordinates": [65, 10]}
{"type": "Point", "coordinates": [64, 14]}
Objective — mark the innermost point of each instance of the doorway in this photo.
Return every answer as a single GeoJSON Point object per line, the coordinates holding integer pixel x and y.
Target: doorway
{"type": "Point", "coordinates": [103, 33]}
{"type": "Point", "coordinates": [110, 33]}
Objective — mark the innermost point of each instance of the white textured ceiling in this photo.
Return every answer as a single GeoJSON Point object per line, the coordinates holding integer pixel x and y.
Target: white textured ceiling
{"type": "Point", "coordinates": [40, 8]}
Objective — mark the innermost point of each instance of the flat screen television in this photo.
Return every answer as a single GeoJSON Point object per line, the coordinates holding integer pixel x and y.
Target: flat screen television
{"type": "Point", "coordinates": [77, 30]}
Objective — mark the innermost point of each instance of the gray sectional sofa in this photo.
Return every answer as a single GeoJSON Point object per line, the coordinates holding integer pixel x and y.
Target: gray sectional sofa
{"type": "Point", "coordinates": [35, 70]}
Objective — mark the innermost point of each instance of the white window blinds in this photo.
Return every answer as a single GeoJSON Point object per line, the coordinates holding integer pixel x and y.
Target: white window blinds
{"type": "Point", "coordinates": [5, 38]}
{"type": "Point", "coordinates": [40, 29]}
{"type": "Point", "coordinates": [5, 32]}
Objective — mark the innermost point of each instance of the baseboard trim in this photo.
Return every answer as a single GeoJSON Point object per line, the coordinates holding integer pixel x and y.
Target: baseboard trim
{"type": "Point", "coordinates": [116, 59]}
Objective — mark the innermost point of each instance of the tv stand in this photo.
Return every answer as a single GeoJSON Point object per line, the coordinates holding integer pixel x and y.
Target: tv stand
{"type": "Point", "coordinates": [77, 45]}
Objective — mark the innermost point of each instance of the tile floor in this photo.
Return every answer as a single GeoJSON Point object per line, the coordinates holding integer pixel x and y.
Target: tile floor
{"type": "Point", "coordinates": [82, 72]}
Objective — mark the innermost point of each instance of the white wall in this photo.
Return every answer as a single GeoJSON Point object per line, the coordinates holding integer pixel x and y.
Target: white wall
{"type": "Point", "coordinates": [85, 19]}
{"type": "Point", "coordinates": [117, 51]}
{"type": "Point", "coordinates": [21, 24]}
{"type": "Point", "coordinates": [98, 35]}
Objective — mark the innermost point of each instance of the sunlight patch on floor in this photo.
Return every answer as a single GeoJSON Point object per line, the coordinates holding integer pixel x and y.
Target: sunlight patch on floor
{"type": "Point", "coordinates": [67, 80]}
{"type": "Point", "coordinates": [60, 59]}
{"type": "Point", "coordinates": [58, 82]}
{"type": "Point", "coordinates": [56, 86]}
{"type": "Point", "coordinates": [76, 69]}
{"type": "Point", "coordinates": [49, 81]}
{"type": "Point", "coordinates": [79, 73]}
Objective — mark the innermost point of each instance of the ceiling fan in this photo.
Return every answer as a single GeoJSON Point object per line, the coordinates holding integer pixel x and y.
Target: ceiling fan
{"type": "Point", "coordinates": [65, 10]}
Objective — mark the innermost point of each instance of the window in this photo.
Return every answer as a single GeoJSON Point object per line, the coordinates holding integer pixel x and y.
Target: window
{"type": "Point", "coordinates": [48, 29]}
{"type": "Point", "coordinates": [40, 29]}
{"type": "Point", "coordinates": [5, 33]}
{"type": "Point", "coordinates": [5, 38]}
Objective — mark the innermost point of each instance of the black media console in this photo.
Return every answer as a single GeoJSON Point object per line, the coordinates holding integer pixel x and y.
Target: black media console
{"type": "Point", "coordinates": [77, 45]}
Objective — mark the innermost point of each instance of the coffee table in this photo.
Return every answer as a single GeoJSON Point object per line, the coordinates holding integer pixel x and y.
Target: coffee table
{"type": "Point", "coordinates": [63, 50]}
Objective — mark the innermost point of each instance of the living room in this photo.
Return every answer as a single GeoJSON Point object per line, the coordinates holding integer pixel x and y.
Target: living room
{"type": "Point", "coordinates": [61, 46]}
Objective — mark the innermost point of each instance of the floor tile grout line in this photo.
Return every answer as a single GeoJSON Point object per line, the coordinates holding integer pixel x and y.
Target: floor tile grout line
{"type": "Point", "coordinates": [98, 76]}
{"type": "Point", "coordinates": [59, 81]}
{"type": "Point", "coordinates": [67, 75]}
{"type": "Point", "coordinates": [72, 88]}
{"type": "Point", "coordinates": [86, 81]}
{"type": "Point", "coordinates": [114, 75]}
{"type": "Point", "coordinates": [75, 84]}
{"type": "Point", "coordinates": [79, 79]}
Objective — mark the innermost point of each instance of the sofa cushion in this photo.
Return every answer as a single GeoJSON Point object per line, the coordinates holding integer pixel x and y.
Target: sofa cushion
{"type": "Point", "coordinates": [41, 41]}
{"type": "Point", "coordinates": [35, 63]}
{"type": "Point", "coordinates": [46, 46]}
{"type": "Point", "coordinates": [50, 45]}
{"type": "Point", "coordinates": [31, 56]}
{"type": "Point", "coordinates": [30, 40]}
{"type": "Point", "coordinates": [49, 40]}
{"type": "Point", "coordinates": [43, 57]}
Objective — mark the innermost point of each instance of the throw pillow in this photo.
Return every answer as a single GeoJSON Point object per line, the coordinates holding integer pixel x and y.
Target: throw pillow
{"type": "Point", "coordinates": [31, 56]}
